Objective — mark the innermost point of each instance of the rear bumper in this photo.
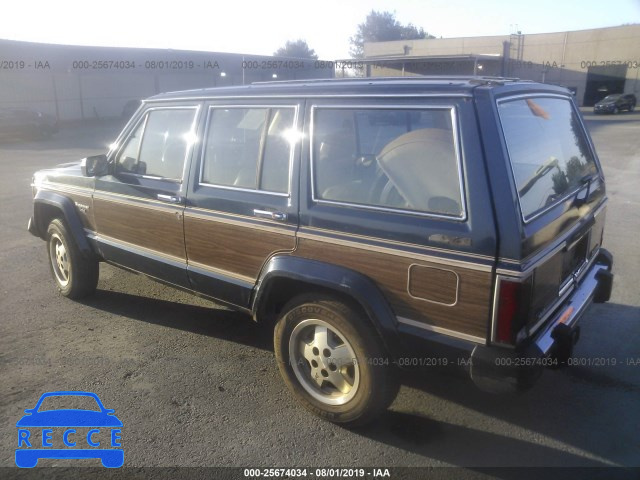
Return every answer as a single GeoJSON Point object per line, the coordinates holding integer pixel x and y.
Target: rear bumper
{"type": "Point", "coordinates": [595, 287]}
{"type": "Point", "coordinates": [499, 369]}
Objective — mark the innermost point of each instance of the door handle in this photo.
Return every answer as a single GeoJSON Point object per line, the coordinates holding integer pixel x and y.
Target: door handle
{"type": "Point", "coordinates": [279, 216]}
{"type": "Point", "coordinates": [169, 198]}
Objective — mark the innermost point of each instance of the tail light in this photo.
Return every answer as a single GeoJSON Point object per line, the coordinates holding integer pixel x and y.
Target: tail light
{"type": "Point", "coordinates": [512, 310]}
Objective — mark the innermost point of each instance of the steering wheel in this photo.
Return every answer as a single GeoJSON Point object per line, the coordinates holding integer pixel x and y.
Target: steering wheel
{"type": "Point", "coordinates": [392, 197]}
{"type": "Point", "coordinates": [384, 192]}
{"type": "Point", "coordinates": [379, 183]}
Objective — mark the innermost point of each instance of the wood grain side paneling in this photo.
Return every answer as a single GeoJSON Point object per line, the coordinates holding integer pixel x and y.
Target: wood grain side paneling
{"type": "Point", "coordinates": [470, 315]}
{"type": "Point", "coordinates": [233, 247]}
{"type": "Point", "coordinates": [86, 214]}
{"type": "Point", "coordinates": [158, 229]}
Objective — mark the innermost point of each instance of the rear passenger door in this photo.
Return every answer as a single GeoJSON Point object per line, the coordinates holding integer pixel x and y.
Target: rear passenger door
{"type": "Point", "coordinates": [242, 201]}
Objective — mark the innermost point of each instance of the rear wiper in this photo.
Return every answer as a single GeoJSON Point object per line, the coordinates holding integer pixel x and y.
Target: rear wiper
{"type": "Point", "coordinates": [542, 170]}
{"type": "Point", "coordinates": [587, 179]}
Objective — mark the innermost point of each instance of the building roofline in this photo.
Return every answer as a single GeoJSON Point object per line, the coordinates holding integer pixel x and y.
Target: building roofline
{"type": "Point", "coordinates": [462, 56]}
{"type": "Point", "coordinates": [636, 25]}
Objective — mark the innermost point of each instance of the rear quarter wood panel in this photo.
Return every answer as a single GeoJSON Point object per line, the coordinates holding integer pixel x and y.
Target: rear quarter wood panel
{"type": "Point", "coordinates": [470, 315]}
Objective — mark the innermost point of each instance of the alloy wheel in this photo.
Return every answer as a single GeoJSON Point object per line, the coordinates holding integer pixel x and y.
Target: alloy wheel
{"type": "Point", "coordinates": [324, 362]}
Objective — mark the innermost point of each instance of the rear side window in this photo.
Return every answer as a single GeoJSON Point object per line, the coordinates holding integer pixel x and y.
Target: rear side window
{"type": "Point", "coordinates": [158, 146]}
{"type": "Point", "coordinates": [249, 148]}
{"type": "Point", "coordinates": [548, 150]}
{"type": "Point", "coordinates": [404, 159]}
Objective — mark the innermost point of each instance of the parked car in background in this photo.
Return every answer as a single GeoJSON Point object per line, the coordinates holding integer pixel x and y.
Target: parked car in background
{"type": "Point", "coordinates": [616, 103]}
{"type": "Point", "coordinates": [24, 123]}
{"type": "Point", "coordinates": [371, 223]}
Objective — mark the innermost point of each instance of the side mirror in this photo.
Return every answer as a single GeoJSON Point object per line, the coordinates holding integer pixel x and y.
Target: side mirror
{"type": "Point", "coordinates": [95, 166]}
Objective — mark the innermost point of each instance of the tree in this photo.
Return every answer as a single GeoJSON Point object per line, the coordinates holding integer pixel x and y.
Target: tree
{"type": "Point", "coordinates": [297, 48]}
{"type": "Point", "coordinates": [383, 27]}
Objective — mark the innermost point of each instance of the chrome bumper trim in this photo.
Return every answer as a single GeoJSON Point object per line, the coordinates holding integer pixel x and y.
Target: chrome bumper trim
{"type": "Point", "coordinates": [441, 330]}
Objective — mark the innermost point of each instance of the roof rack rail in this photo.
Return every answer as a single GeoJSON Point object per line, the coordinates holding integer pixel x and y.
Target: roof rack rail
{"type": "Point", "coordinates": [469, 78]}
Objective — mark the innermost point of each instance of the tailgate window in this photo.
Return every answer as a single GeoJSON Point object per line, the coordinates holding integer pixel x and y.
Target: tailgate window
{"type": "Point", "coordinates": [548, 150]}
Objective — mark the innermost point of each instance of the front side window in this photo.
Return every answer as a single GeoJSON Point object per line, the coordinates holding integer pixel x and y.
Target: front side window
{"type": "Point", "coordinates": [249, 148]}
{"type": "Point", "coordinates": [127, 161]}
{"type": "Point", "coordinates": [402, 159]}
{"type": "Point", "coordinates": [158, 146]}
{"type": "Point", "coordinates": [547, 148]}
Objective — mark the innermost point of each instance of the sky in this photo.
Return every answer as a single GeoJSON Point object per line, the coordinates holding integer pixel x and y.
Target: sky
{"type": "Point", "coordinates": [262, 27]}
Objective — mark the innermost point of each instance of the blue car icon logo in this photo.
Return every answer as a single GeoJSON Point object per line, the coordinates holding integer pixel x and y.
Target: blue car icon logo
{"type": "Point", "coordinates": [91, 431]}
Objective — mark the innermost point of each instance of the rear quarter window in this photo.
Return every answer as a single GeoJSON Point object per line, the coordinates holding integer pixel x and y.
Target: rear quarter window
{"type": "Point", "coordinates": [548, 150]}
{"type": "Point", "coordinates": [401, 159]}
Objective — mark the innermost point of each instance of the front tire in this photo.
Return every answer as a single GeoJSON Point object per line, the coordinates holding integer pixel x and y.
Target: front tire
{"type": "Point", "coordinates": [331, 358]}
{"type": "Point", "coordinates": [75, 274]}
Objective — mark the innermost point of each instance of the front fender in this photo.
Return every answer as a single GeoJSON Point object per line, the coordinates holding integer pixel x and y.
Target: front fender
{"type": "Point", "coordinates": [350, 283]}
{"type": "Point", "coordinates": [38, 226]}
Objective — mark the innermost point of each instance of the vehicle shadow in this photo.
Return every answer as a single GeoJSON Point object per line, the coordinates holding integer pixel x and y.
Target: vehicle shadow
{"type": "Point", "coordinates": [479, 450]}
{"type": "Point", "coordinates": [582, 407]}
{"type": "Point", "coordinates": [211, 321]}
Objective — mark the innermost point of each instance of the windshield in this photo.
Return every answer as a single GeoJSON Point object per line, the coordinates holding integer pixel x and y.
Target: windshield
{"type": "Point", "coordinates": [610, 98]}
{"type": "Point", "coordinates": [548, 150]}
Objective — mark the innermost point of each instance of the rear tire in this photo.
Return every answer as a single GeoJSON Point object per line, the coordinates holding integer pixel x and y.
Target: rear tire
{"type": "Point", "coordinates": [75, 274]}
{"type": "Point", "coordinates": [333, 361]}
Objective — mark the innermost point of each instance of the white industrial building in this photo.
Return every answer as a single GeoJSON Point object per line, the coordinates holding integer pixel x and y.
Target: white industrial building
{"type": "Point", "coordinates": [80, 82]}
{"type": "Point", "coordinates": [593, 63]}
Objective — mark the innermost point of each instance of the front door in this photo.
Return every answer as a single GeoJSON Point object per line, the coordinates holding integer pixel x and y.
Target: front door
{"type": "Point", "coordinates": [139, 208]}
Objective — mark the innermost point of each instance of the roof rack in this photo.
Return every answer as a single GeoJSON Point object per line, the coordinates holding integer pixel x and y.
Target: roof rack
{"type": "Point", "coordinates": [423, 78]}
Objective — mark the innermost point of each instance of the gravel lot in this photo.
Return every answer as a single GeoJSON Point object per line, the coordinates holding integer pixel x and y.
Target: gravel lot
{"type": "Point", "coordinates": [196, 384]}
